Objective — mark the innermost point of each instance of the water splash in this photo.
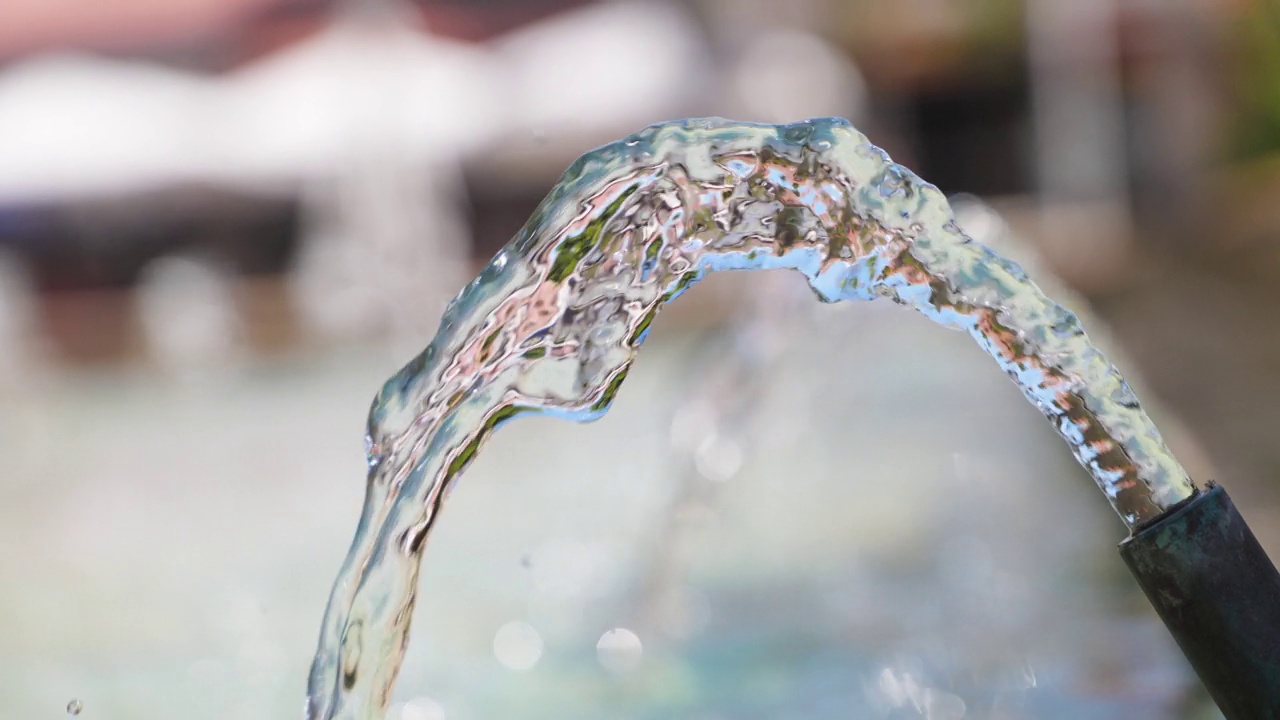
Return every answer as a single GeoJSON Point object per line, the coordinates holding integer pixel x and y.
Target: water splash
{"type": "Point", "coordinates": [552, 325]}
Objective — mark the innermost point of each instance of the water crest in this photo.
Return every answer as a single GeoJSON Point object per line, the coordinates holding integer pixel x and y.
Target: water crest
{"type": "Point", "coordinates": [552, 325]}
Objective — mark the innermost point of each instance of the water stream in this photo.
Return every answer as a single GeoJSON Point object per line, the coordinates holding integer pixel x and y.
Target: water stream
{"type": "Point", "coordinates": [554, 321]}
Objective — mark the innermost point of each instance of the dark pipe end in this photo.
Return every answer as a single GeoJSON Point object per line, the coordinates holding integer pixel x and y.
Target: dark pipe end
{"type": "Point", "coordinates": [1219, 594]}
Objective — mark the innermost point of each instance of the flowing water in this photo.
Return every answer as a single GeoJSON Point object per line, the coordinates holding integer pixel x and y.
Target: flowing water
{"type": "Point", "coordinates": [554, 321]}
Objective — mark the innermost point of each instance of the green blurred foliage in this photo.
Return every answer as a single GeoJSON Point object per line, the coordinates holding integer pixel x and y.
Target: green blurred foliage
{"type": "Point", "coordinates": [1255, 131]}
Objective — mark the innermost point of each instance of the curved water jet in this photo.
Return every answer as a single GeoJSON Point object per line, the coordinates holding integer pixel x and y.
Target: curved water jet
{"type": "Point", "coordinates": [553, 323]}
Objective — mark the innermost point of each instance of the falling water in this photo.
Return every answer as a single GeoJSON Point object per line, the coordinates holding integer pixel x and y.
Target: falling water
{"type": "Point", "coordinates": [552, 325]}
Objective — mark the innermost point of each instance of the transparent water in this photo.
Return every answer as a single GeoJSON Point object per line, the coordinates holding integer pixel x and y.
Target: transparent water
{"type": "Point", "coordinates": [553, 323]}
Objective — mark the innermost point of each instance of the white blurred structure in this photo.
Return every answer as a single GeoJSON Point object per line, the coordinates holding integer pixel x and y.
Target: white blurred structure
{"type": "Point", "coordinates": [1081, 149]}
{"type": "Point", "coordinates": [797, 76]}
{"type": "Point", "coordinates": [77, 125]}
{"type": "Point", "coordinates": [369, 122]}
{"type": "Point", "coordinates": [187, 307]}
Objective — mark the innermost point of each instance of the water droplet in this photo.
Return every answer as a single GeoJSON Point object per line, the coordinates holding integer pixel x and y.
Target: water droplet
{"type": "Point", "coordinates": [718, 458]}
{"type": "Point", "coordinates": [517, 645]}
{"type": "Point", "coordinates": [619, 650]}
{"type": "Point", "coordinates": [74, 707]}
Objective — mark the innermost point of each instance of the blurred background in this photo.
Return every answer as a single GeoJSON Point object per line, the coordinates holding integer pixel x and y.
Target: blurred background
{"type": "Point", "coordinates": [224, 222]}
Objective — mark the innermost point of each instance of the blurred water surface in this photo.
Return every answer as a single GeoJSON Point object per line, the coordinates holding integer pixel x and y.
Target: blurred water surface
{"type": "Point", "coordinates": [916, 534]}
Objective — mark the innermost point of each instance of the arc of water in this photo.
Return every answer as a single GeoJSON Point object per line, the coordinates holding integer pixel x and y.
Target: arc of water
{"type": "Point", "coordinates": [552, 324]}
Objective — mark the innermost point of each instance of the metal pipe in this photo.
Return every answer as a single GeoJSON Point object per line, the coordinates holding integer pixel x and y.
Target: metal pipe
{"type": "Point", "coordinates": [1219, 594]}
